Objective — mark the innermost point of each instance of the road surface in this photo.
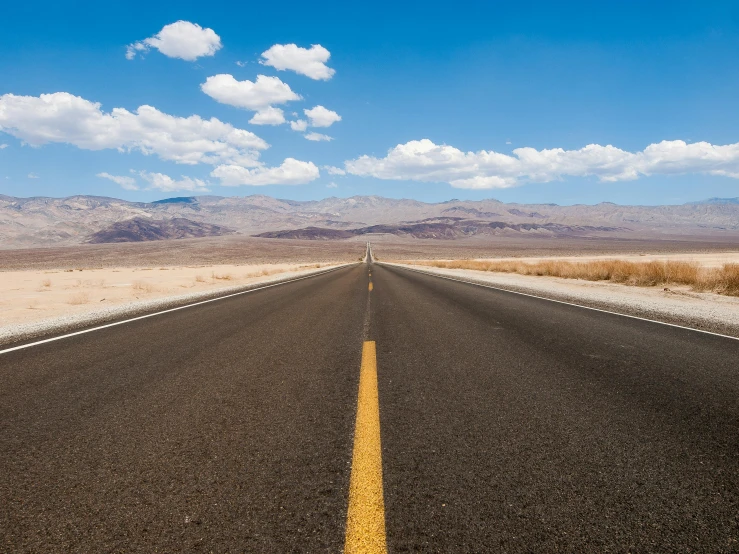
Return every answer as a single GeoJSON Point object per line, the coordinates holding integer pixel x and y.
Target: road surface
{"type": "Point", "coordinates": [506, 424]}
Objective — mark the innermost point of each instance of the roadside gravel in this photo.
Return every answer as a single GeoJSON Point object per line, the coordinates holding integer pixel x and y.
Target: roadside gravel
{"type": "Point", "coordinates": [675, 305]}
{"type": "Point", "coordinates": [18, 333]}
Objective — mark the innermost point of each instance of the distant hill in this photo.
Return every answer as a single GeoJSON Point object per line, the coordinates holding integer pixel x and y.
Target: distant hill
{"type": "Point", "coordinates": [445, 229]}
{"type": "Point", "coordinates": [140, 229]}
{"type": "Point", "coordinates": [718, 201]}
{"type": "Point", "coordinates": [44, 221]}
{"type": "Point", "coordinates": [177, 200]}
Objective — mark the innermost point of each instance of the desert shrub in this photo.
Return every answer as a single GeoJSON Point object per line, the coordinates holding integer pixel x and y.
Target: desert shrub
{"type": "Point", "coordinates": [723, 280]}
{"type": "Point", "coordinates": [78, 298]}
{"type": "Point", "coordinates": [141, 286]}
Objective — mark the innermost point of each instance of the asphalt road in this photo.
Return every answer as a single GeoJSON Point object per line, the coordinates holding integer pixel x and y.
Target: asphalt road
{"type": "Point", "coordinates": [508, 424]}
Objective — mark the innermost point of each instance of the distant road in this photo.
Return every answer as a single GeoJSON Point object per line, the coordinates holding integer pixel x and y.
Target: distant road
{"type": "Point", "coordinates": [506, 424]}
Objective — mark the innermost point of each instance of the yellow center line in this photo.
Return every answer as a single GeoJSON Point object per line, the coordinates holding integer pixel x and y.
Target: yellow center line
{"type": "Point", "coordinates": [365, 519]}
{"type": "Point", "coordinates": [370, 286]}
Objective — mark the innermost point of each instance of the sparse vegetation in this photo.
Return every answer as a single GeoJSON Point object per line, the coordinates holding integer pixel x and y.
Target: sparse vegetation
{"type": "Point", "coordinates": [723, 280]}
{"type": "Point", "coordinates": [79, 298]}
{"type": "Point", "coordinates": [141, 286]}
{"type": "Point", "coordinates": [222, 276]}
{"type": "Point", "coordinates": [199, 279]}
{"type": "Point", "coordinates": [46, 283]}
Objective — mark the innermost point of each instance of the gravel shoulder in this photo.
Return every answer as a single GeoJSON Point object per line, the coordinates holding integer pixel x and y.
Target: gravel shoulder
{"type": "Point", "coordinates": [34, 327]}
{"type": "Point", "coordinates": [676, 305]}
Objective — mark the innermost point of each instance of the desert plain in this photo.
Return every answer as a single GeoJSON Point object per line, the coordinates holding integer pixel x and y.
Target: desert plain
{"type": "Point", "coordinates": [46, 285]}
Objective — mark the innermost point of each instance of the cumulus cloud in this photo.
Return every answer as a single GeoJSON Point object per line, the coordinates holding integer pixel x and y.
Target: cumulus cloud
{"type": "Point", "coordinates": [322, 117]}
{"type": "Point", "coordinates": [333, 170]}
{"type": "Point", "coordinates": [260, 96]}
{"type": "Point", "coordinates": [181, 39]}
{"type": "Point", "coordinates": [422, 160]}
{"type": "Point", "coordinates": [160, 181]}
{"type": "Point", "coordinates": [310, 62]}
{"type": "Point", "coordinates": [268, 116]}
{"type": "Point", "coordinates": [3, 146]}
{"type": "Point", "coordinates": [317, 137]}
{"type": "Point", "coordinates": [332, 185]}
{"type": "Point", "coordinates": [128, 183]}
{"type": "Point", "coordinates": [291, 172]}
{"type": "Point", "coordinates": [299, 125]}
{"type": "Point", "coordinates": [32, 176]}
{"type": "Point", "coordinates": [65, 118]}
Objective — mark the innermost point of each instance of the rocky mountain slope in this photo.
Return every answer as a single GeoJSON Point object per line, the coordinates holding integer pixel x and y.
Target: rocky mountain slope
{"type": "Point", "coordinates": [445, 228]}
{"type": "Point", "coordinates": [74, 220]}
{"type": "Point", "coordinates": [140, 229]}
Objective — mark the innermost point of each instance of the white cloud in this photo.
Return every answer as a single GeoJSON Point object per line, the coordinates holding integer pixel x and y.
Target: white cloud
{"type": "Point", "coordinates": [182, 39]}
{"type": "Point", "coordinates": [332, 185]}
{"type": "Point", "coordinates": [241, 64]}
{"type": "Point", "coordinates": [3, 146]}
{"type": "Point", "coordinates": [32, 176]}
{"type": "Point", "coordinates": [423, 160]}
{"type": "Point", "coordinates": [160, 181]}
{"type": "Point", "coordinates": [128, 183]}
{"type": "Point", "coordinates": [322, 117]}
{"type": "Point", "coordinates": [291, 172]}
{"type": "Point", "coordinates": [310, 62]}
{"type": "Point", "coordinates": [332, 170]}
{"type": "Point", "coordinates": [299, 125]}
{"type": "Point", "coordinates": [268, 116]}
{"type": "Point", "coordinates": [259, 96]}
{"type": "Point", "coordinates": [318, 137]}
{"type": "Point", "coordinates": [65, 118]}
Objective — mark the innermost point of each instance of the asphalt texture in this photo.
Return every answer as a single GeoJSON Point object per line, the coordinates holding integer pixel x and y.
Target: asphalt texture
{"type": "Point", "coordinates": [508, 424]}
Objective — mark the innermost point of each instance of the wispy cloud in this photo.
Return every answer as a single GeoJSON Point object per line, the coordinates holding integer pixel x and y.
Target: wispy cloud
{"type": "Point", "coordinates": [316, 137]}
{"type": "Point", "coordinates": [128, 183]}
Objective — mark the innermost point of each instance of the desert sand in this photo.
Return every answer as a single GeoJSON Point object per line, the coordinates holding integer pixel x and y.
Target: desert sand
{"type": "Point", "coordinates": [32, 295]}
{"type": "Point", "coordinates": [709, 259]}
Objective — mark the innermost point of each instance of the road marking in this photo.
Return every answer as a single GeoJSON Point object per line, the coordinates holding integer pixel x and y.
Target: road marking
{"type": "Point", "coordinates": [365, 518]}
{"type": "Point", "coordinates": [370, 286]}
{"type": "Point", "coordinates": [563, 302]}
{"type": "Point", "coordinates": [36, 343]}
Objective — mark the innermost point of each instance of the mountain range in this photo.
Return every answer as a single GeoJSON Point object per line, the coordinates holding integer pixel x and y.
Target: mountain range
{"type": "Point", "coordinates": [41, 221]}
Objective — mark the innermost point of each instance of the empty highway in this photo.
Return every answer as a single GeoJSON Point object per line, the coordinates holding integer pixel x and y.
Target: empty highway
{"type": "Point", "coordinates": [371, 408]}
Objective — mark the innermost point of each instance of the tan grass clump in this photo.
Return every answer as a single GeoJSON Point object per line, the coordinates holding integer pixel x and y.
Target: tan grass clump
{"type": "Point", "coordinates": [79, 298]}
{"type": "Point", "coordinates": [199, 279]}
{"type": "Point", "coordinates": [643, 274]}
{"type": "Point", "coordinates": [141, 286]}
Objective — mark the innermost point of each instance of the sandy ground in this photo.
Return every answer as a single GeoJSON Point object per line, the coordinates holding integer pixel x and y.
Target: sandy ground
{"type": "Point", "coordinates": [711, 259]}
{"type": "Point", "coordinates": [31, 296]}
{"type": "Point", "coordinates": [240, 250]}
{"type": "Point", "coordinates": [676, 305]}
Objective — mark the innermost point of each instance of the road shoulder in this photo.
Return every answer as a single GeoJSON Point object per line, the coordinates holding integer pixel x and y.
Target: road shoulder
{"type": "Point", "coordinates": [703, 311]}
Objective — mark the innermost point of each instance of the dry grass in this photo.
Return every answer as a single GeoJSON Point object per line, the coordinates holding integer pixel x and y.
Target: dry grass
{"type": "Point", "coordinates": [199, 279]}
{"type": "Point", "coordinates": [46, 284]}
{"type": "Point", "coordinates": [141, 286]}
{"type": "Point", "coordinates": [79, 298]}
{"type": "Point", "coordinates": [723, 280]}
{"type": "Point", "coordinates": [221, 276]}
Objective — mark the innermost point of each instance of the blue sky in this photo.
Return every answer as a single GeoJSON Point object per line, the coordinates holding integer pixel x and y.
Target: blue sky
{"type": "Point", "coordinates": [437, 100]}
